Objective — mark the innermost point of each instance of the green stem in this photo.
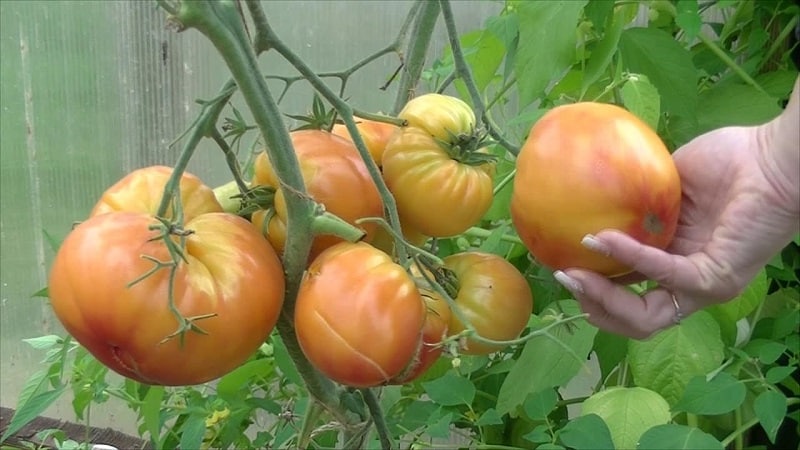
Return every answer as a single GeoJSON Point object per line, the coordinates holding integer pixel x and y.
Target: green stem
{"type": "Point", "coordinates": [230, 159]}
{"type": "Point", "coordinates": [736, 68]}
{"type": "Point", "coordinates": [327, 223]}
{"type": "Point", "coordinates": [776, 44]}
{"type": "Point", "coordinates": [417, 51]}
{"type": "Point", "coordinates": [483, 234]}
{"type": "Point", "coordinates": [310, 418]}
{"type": "Point", "coordinates": [377, 417]}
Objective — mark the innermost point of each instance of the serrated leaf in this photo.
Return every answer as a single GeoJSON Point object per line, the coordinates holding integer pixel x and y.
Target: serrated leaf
{"type": "Point", "coordinates": [628, 412]}
{"type": "Point", "coordinates": [30, 410]}
{"type": "Point", "coordinates": [538, 405]}
{"type": "Point", "coordinates": [231, 385]}
{"type": "Point", "coordinates": [677, 437]}
{"type": "Point", "coordinates": [587, 432]}
{"type": "Point", "coordinates": [719, 395]}
{"type": "Point", "coordinates": [770, 408]}
{"type": "Point", "coordinates": [450, 390]}
{"type": "Point", "coordinates": [192, 431]}
{"type": "Point", "coordinates": [642, 99]}
{"type": "Point", "coordinates": [666, 362]}
{"type": "Point", "coordinates": [546, 46]}
{"type": "Point", "coordinates": [489, 417]}
{"type": "Point", "coordinates": [655, 54]}
{"type": "Point", "coordinates": [547, 362]}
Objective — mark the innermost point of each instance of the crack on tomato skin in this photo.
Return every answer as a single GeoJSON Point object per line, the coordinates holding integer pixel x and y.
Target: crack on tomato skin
{"type": "Point", "coordinates": [116, 354]}
{"type": "Point", "coordinates": [324, 321]}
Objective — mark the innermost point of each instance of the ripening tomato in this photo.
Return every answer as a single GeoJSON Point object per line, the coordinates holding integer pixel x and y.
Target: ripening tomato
{"type": "Point", "coordinates": [586, 167]}
{"type": "Point", "coordinates": [230, 272]}
{"type": "Point", "coordinates": [434, 332]}
{"type": "Point", "coordinates": [375, 135]}
{"type": "Point", "coordinates": [439, 192]}
{"type": "Point", "coordinates": [492, 295]}
{"type": "Point", "coordinates": [334, 175]}
{"type": "Point", "coordinates": [142, 189]}
{"type": "Point", "coordinates": [359, 316]}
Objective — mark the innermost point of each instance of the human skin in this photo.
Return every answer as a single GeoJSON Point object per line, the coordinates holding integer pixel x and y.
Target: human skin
{"type": "Point", "coordinates": [740, 206]}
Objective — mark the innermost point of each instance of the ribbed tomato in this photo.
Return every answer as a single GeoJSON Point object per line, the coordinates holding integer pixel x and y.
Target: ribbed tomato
{"type": "Point", "coordinates": [586, 167]}
{"type": "Point", "coordinates": [359, 316]}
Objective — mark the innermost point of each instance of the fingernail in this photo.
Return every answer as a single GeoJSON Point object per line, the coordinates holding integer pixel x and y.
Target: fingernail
{"type": "Point", "coordinates": [591, 242]}
{"type": "Point", "coordinates": [571, 284]}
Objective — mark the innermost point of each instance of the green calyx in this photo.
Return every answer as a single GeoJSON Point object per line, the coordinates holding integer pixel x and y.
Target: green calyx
{"type": "Point", "coordinates": [467, 148]}
{"type": "Point", "coordinates": [255, 199]}
{"type": "Point", "coordinates": [320, 118]}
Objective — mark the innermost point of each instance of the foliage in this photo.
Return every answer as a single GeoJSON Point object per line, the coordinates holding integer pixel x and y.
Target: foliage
{"type": "Point", "coordinates": [683, 66]}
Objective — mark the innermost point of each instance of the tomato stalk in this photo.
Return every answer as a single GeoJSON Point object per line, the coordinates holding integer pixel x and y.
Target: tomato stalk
{"type": "Point", "coordinates": [424, 25]}
{"type": "Point", "coordinates": [268, 39]}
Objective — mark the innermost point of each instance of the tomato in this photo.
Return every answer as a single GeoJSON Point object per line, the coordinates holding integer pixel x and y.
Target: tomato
{"type": "Point", "coordinates": [359, 316]}
{"type": "Point", "coordinates": [436, 194]}
{"type": "Point", "coordinates": [375, 135]}
{"type": "Point", "coordinates": [441, 116]}
{"type": "Point", "coordinates": [492, 295]}
{"type": "Point", "coordinates": [142, 189]}
{"type": "Point", "coordinates": [230, 271]}
{"type": "Point", "coordinates": [434, 332]}
{"type": "Point", "coordinates": [586, 167]}
{"type": "Point", "coordinates": [334, 175]}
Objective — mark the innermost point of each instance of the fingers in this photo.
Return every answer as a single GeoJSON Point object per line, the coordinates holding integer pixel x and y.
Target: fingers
{"type": "Point", "coordinates": [614, 308]}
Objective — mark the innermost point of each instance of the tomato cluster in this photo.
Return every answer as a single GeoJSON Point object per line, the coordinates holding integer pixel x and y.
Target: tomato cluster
{"type": "Point", "coordinates": [182, 292]}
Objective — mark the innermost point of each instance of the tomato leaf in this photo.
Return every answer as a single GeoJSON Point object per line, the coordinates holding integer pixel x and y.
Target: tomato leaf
{"type": "Point", "coordinates": [484, 52]}
{"type": "Point", "coordinates": [230, 385]}
{"type": "Point", "coordinates": [666, 362]}
{"type": "Point", "coordinates": [678, 437]}
{"type": "Point", "coordinates": [192, 431]}
{"type": "Point", "coordinates": [642, 99]}
{"type": "Point", "coordinates": [666, 63]}
{"type": "Point", "coordinates": [688, 18]}
{"type": "Point", "coordinates": [603, 52]}
{"type": "Point", "coordinates": [546, 47]}
{"type": "Point", "coordinates": [538, 405]}
{"type": "Point", "coordinates": [728, 313]}
{"type": "Point", "coordinates": [598, 13]}
{"type": "Point", "coordinates": [721, 394]}
{"type": "Point", "coordinates": [440, 428]}
{"type": "Point", "coordinates": [44, 342]}
{"type": "Point", "coordinates": [151, 412]}
{"type": "Point", "coordinates": [284, 361]}
{"type": "Point", "coordinates": [585, 433]}
{"type": "Point", "coordinates": [450, 390]}
{"type": "Point", "coordinates": [548, 361]}
{"type": "Point", "coordinates": [32, 408]}
{"type": "Point", "coordinates": [610, 350]}
{"type": "Point", "coordinates": [489, 417]}
{"type": "Point", "coordinates": [770, 408]}
{"type": "Point", "coordinates": [729, 104]}
{"type": "Point", "coordinates": [628, 412]}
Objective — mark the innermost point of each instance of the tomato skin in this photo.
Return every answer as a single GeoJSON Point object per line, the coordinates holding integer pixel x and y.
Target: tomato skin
{"type": "Point", "coordinates": [358, 316]}
{"type": "Point", "coordinates": [435, 194]}
{"type": "Point", "coordinates": [231, 272]}
{"type": "Point", "coordinates": [437, 320]}
{"type": "Point", "coordinates": [375, 135]}
{"type": "Point", "coordinates": [441, 116]}
{"type": "Point", "coordinates": [334, 175]}
{"type": "Point", "coordinates": [142, 189]}
{"type": "Point", "coordinates": [493, 296]}
{"type": "Point", "coordinates": [586, 167]}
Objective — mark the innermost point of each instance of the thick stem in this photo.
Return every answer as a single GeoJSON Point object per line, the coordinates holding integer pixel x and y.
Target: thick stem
{"type": "Point", "coordinates": [417, 50]}
{"type": "Point", "coordinates": [377, 417]}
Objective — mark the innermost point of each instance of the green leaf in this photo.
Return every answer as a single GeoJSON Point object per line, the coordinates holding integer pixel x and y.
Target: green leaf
{"type": "Point", "coordinates": [728, 313]}
{"type": "Point", "coordinates": [666, 362]}
{"type": "Point", "coordinates": [231, 385]}
{"type": "Point", "coordinates": [598, 12]}
{"type": "Point", "coordinates": [719, 395]}
{"type": "Point", "coordinates": [538, 435]}
{"type": "Point", "coordinates": [587, 432]}
{"type": "Point", "coordinates": [440, 428]}
{"type": "Point", "coordinates": [728, 104]}
{"type": "Point", "coordinates": [483, 52]}
{"type": "Point", "coordinates": [43, 293]}
{"type": "Point", "coordinates": [678, 437]}
{"type": "Point", "coordinates": [538, 405]}
{"type": "Point", "coordinates": [490, 417]}
{"type": "Point", "coordinates": [603, 52]}
{"type": "Point", "coordinates": [450, 390]}
{"type": "Point", "coordinates": [51, 241]}
{"type": "Point", "coordinates": [666, 63]}
{"type": "Point", "coordinates": [284, 361]}
{"type": "Point", "coordinates": [31, 409]}
{"type": "Point", "coordinates": [32, 386]}
{"type": "Point", "coordinates": [44, 342]}
{"type": "Point", "coordinates": [418, 414]}
{"type": "Point", "coordinates": [610, 350]}
{"type": "Point", "coordinates": [628, 412]}
{"type": "Point", "coordinates": [777, 374]}
{"type": "Point", "coordinates": [151, 412]}
{"type": "Point", "coordinates": [642, 99]}
{"type": "Point", "coordinates": [549, 446]}
{"type": "Point", "coordinates": [548, 361]}
{"type": "Point", "coordinates": [770, 352]}
{"type": "Point", "coordinates": [547, 42]}
{"type": "Point", "coordinates": [770, 408]}
{"type": "Point", "coordinates": [192, 431]}
{"type": "Point", "coordinates": [688, 18]}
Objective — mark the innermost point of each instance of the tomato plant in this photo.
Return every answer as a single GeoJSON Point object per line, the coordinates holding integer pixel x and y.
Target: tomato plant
{"type": "Point", "coordinates": [586, 167]}
{"type": "Point", "coordinates": [492, 296]}
{"type": "Point", "coordinates": [334, 175]}
{"type": "Point", "coordinates": [142, 189]}
{"type": "Point", "coordinates": [359, 316]}
{"type": "Point", "coordinates": [434, 332]}
{"type": "Point", "coordinates": [108, 290]}
{"type": "Point", "coordinates": [375, 135]}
